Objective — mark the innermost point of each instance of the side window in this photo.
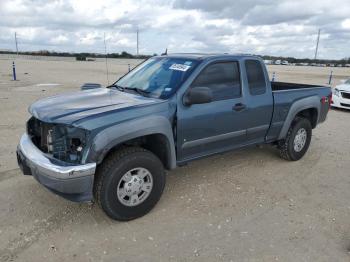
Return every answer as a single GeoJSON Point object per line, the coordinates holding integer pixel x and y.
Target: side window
{"type": "Point", "coordinates": [256, 78]}
{"type": "Point", "coordinates": [222, 78]}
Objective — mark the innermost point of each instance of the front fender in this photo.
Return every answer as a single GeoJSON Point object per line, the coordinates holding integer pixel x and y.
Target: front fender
{"type": "Point", "coordinates": [112, 136]}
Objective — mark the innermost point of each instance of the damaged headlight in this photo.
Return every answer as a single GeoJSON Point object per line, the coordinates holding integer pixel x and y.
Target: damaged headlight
{"type": "Point", "coordinates": [67, 143]}
{"type": "Point", "coordinates": [336, 92]}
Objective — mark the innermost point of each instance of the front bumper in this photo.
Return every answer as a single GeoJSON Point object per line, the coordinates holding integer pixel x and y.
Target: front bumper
{"type": "Point", "coordinates": [73, 182]}
{"type": "Point", "coordinates": [340, 102]}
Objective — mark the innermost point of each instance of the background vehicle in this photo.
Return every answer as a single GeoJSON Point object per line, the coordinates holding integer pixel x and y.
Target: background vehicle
{"type": "Point", "coordinates": [113, 144]}
{"type": "Point", "coordinates": [341, 95]}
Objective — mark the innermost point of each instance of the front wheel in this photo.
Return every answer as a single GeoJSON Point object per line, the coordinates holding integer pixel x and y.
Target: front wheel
{"type": "Point", "coordinates": [129, 183]}
{"type": "Point", "coordinates": [297, 141]}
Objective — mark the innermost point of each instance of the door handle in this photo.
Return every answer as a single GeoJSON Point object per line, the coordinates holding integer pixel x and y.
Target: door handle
{"type": "Point", "coordinates": [238, 107]}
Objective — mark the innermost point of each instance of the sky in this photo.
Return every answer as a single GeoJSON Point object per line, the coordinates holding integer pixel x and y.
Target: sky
{"type": "Point", "coordinates": [264, 27]}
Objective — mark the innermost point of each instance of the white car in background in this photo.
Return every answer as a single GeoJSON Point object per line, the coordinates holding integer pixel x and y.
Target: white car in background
{"type": "Point", "coordinates": [341, 95]}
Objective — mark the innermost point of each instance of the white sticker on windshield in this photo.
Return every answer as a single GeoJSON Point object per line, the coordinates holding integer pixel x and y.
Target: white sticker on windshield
{"type": "Point", "coordinates": [179, 67]}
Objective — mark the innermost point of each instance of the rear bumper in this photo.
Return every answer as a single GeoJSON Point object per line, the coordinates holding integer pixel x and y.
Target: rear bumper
{"type": "Point", "coordinates": [71, 182]}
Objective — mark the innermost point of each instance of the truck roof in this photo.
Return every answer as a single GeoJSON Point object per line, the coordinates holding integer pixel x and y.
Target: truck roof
{"type": "Point", "coordinates": [202, 56]}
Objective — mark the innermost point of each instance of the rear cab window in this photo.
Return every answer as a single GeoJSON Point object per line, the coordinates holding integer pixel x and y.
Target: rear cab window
{"type": "Point", "coordinates": [255, 77]}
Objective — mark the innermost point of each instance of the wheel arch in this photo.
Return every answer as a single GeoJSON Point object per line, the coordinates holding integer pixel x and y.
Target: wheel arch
{"type": "Point", "coordinates": [307, 107]}
{"type": "Point", "coordinates": [153, 133]}
{"type": "Point", "coordinates": [311, 114]}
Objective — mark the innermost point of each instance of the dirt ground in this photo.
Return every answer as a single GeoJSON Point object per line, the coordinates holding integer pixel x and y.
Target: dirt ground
{"type": "Point", "coordinates": [248, 205]}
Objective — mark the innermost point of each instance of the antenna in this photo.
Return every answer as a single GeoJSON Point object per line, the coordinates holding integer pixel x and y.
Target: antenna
{"type": "Point", "coordinates": [104, 40]}
{"type": "Point", "coordinates": [16, 43]}
{"type": "Point", "coordinates": [137, 41]}
{"type": "Point", "coordinates": [318, 40]}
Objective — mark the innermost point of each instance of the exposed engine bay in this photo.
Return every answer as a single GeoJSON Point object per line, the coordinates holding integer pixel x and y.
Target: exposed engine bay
{"type": "Point", "coordinates": [65, 143]}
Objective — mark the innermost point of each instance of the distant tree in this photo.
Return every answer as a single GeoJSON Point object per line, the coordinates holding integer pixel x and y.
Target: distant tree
{"type": "Point", "coordinates": [125, 54]}
{"type": "Point", "coordinates": [80, 57]}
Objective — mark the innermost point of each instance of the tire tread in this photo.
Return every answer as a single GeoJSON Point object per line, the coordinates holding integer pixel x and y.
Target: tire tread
{"type": "Point", "coordinates": [108, 164]}
{"type": "Point", "coordinates": [283, 144]}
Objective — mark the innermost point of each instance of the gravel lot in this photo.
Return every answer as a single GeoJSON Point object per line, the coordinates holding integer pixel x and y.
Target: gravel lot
{"type": "Point", "coordinates": [247, 205]}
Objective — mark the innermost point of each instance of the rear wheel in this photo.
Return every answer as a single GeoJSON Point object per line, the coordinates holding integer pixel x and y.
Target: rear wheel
{"type": "Point", "coordinates": [129, 183]}
{"type": "Point", "coordinates": [297, 141]}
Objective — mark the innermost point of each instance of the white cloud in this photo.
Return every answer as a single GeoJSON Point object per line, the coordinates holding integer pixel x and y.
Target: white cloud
{"type": "Point", "coordinates": [275, 27]}
{"type": "Point", "coordinates": [60, 39]}
{"type": "Point", "coordinates": [346, 24]}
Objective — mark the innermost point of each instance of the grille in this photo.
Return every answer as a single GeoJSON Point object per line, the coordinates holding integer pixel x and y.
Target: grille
{"type": "Point", "coordinates": [345, 95]}
{"type": "Point", "coordinates": [346, 105]}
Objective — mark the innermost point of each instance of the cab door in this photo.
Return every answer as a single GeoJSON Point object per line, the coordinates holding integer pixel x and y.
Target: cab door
{"type": "Point", "coordinates": [204, 129]}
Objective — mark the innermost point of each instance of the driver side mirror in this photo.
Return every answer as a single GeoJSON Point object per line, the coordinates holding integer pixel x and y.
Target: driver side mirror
{"type": "Point", "coordinates": [198, 95]}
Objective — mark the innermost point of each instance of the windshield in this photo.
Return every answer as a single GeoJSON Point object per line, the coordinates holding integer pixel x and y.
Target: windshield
{"type": "Point", "coordinates": [158, 77]}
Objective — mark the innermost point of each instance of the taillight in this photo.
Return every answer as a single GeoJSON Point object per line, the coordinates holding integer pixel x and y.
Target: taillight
{"type": "Point", "coordinates": [327, 100]}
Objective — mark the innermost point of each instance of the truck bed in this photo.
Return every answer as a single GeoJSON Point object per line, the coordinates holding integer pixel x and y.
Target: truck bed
{"type": "Point", "coordinates": [280, 86]}
{"type": "Point", "coordinates": [286, 94]}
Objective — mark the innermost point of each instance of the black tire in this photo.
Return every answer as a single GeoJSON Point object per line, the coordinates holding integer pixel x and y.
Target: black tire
{"type": "Point", "coordinates": [111, 171]}
{"type": "Point", "coordinates": [286, 146]}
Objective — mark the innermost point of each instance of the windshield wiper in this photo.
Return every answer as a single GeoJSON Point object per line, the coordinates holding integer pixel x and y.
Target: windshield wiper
{"type": "Point", "coordinates": [138, 90]}
{"type": "Point", "coordinates": [135, 89]}
{"type": "Point", "coordinates": [120, 88]}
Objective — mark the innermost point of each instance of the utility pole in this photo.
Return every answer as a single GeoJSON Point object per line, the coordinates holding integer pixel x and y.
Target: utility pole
{"type": "Point", "coordinates": [16, 43]}
{"type": "Point", "coordinates": [137, 41]}
{"type": "Point", "coordinates": [13, 62]}
{"type": "Point", "coordinates": [318, 40]}
{"type": "Point", "coordinates": [104, 40]}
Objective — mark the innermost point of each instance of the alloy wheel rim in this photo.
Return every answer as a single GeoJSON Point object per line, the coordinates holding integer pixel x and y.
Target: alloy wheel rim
{"type": "Point", "coordinates": [135, 186]}
{"type": "Point", "coordinates": [300, 139]}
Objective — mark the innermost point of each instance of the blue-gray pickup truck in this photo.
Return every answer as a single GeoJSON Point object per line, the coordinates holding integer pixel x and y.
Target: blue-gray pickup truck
{"type": "Point", "coordinates": [113, 145]}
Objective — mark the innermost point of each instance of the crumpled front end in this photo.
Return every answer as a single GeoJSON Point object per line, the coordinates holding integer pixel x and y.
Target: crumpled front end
{"type": "Point", "coordinates": [54, 155]}
{"type": "Point", "coordinates": [65, 143]}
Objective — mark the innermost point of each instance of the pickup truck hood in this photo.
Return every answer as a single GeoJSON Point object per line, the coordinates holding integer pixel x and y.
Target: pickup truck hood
{"type": "Point", "coordinates": [343, 87]}
{"type": "Point", "coordinates": [75, 106]}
